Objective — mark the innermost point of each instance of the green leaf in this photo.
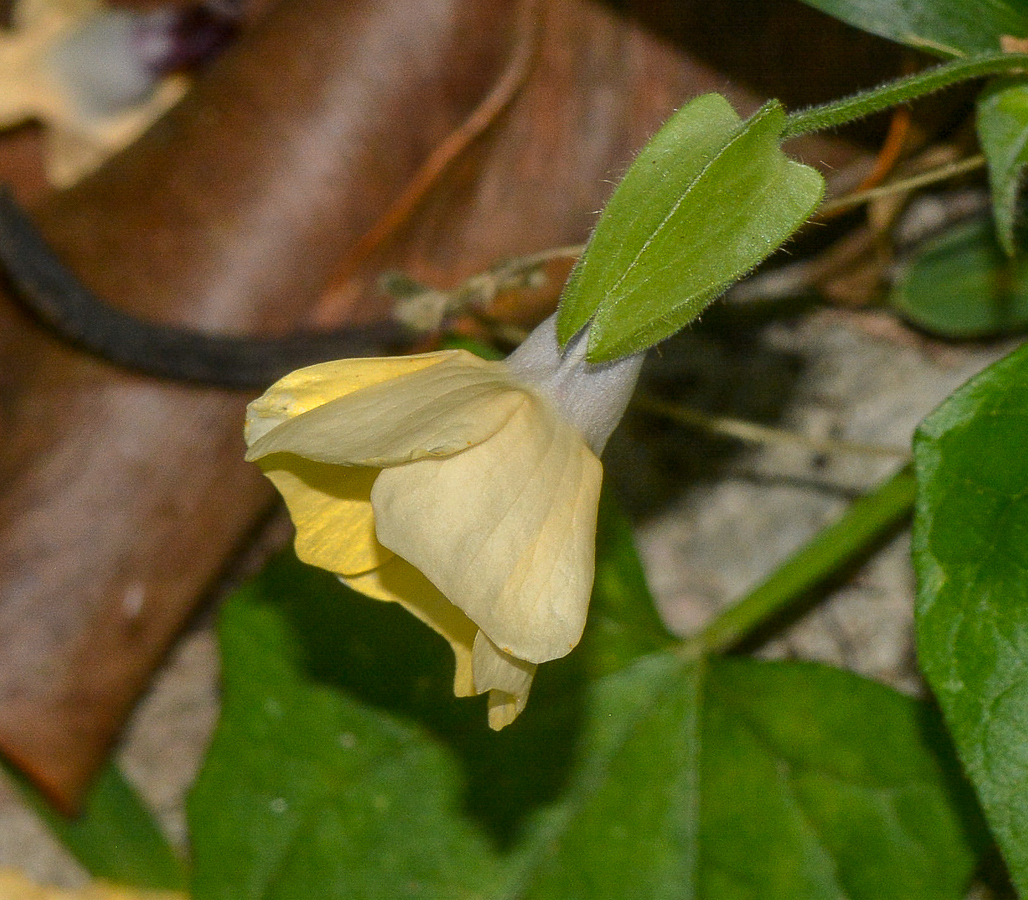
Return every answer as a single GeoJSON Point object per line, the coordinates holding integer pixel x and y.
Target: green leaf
{"type": "Point", "coordinates": [1002, 123]}
{"type": "Point", "coordinates": [627, 824]}
{"type": "Point", "coordinates": [944, 27]}
{"type": "Point", "coordinates": [623, 620]}
{"type": "Point", "coordinates": [743, 780]}
{"type": "Point", "coordinates": [340, 768]}
{"type": "Point", "coordinates": [962, 285]}
{"type": "Point", "coordinates": [971, 556]}
{"type": "Point", "coordinates": [818, 783]}
{"type": "Point", "coordinates": [319, 756]}
{"type": "Point", "coordinates": [114, 836]}
{"type": "Point", "coordinates": [307, 791]}
{"type": "Point", "coordinates": [706, 200]}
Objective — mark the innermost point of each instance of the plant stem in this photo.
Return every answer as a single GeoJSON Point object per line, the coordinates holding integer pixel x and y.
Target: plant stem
{"type": "Point", "coordinates": [865, 522]}
{"type": "Point", "coordinates": [763, 435]}
{"type": "Point", "coordinates": [904, 185]}
{"type": "Point", "coordinates": [840, 112]}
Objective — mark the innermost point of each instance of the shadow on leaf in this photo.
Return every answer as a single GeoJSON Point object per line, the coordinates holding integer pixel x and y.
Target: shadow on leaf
{"type": "Point", "coordinates": [379, 655]}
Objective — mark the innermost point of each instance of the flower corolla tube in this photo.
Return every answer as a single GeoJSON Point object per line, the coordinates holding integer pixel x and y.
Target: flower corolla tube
{"type": "Point", "coordinates": [464, 489]}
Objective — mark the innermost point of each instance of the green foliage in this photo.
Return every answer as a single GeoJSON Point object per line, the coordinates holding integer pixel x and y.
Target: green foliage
{"type": "Point", "coordinates": [945, 27]}
{"type": "Point", "coordinates": [846, 779]}
{"type": "Point", "coordinates": [114, 835]}
{"type": "Point", "coordinates": [324, 766]}
{"type": "Point", "coordinates": [960, 29]}
{"type": "Point", "coordinates": [1002, 123]}
{"type": "Point", "coordinates": [307, 791]}
{"type": "Point", "coordinates": [341, 768]}
{"type": "Point", "coordinates": [625, 824]}
{"type": "Point", "coordinates": [962, 285]}
{"type": "Point", "coordinates": [971, 556]}
{"type": "Point", "coordinates": [707, 199]}
{"type": "Point", "coordinates": [623, 619]}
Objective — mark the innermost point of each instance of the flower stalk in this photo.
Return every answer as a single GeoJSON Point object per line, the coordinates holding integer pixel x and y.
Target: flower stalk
{"type": "Point", "coordinates": [902, 90]}
{"type": "Point", "coordinates": [867, 521]}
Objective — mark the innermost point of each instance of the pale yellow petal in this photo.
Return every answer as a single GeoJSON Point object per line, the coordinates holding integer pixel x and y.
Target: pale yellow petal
{"type": "Point", "coordinates": [34, 86]}
{"type": "Point", "coordinates": [399, 582]}
{"type": "Point", "coordinates": [78, 143]}
{"type": "Point", "coordinates": [27, 90]}
{"type": "Point", "coordinates": [506, 530]}
{"type": "Point", "coordinates": [507, 679]}
{"type": "Point", "coordinates": [436, 411]}
{"type": "Point", "coordinates": [29, 13]}
{"type": "Point", "coordinates": [20, 100]}
{"type": "Point", "coordinates": [71, 155]}
{"type": "Point", "coordinates": [504, 708]}
{"type": "Point", "coordinates": [14, 885]}
{"type": "Point", "coordinates": [103, 890]}
{"type": "Point", "coordinates": [313, 386]}
{"type": "Point", "coordinates": [26, 13]}
{"type": "Point", "coordinates": [331, 509]}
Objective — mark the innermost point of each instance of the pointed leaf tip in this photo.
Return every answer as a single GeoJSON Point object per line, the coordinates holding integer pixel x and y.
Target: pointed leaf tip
{"type": "Point", "coordinates": [707, 199]}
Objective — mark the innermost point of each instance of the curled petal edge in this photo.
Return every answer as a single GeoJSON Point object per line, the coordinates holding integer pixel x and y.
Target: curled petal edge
{"type": "Point", "coordinates": [507, 678]}
{"type": "Point", "coordinates": [331, 509]}
{"type": "Point", "coordinates": [443, 404]}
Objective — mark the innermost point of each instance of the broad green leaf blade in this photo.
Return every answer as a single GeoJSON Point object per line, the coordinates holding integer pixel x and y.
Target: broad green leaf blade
{"type": "Point", "coordinates": [741, 779]}
{"type": "Point", "coordinates": [971, 556]}
{"type": "Point", "coordinates": [341, 768]}
{"type": "Point", "coordinates": [623, 620]}
{"type": "Point", "coordinates": [663, 172]}
{"type": "Point", "coordinates": [627, 824]}
{"type": "Point", "coordinates": [841, 776]}
{"type": "Point", "coordinates": [944, 27]}
{"type": "Point", "coordinates": [1002, 123]}
{"type": "Point", "coordinates": [707, 199]}
{"type": "Point", "coordinates": [316, 731]}
{"type": "Point", "coordinates": [115, 836]}
{"type": "Point", "coordinates": [962, 285]}
{"type": "Point", "coordinates": [309, 792]}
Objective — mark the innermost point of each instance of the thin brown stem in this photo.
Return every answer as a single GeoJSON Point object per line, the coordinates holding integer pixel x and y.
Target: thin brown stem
{"type": "Point", "coordinates": [904, 185]}
{"type": "Point", "coordinates": [526, 42]}
{"type": "Point", "coordinates": [752, 433]}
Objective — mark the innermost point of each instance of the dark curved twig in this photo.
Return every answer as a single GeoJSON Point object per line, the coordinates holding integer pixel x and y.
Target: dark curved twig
{"type": "Point", "coordinates": [54, 296]}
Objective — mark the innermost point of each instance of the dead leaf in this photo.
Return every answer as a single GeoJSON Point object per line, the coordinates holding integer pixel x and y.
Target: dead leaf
{"type": "Point", "coordinates": [122, 497]}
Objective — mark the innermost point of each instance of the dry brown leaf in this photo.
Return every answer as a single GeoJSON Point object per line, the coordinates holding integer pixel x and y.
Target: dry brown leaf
{"type": "Point", "coordinates": [121, 498]}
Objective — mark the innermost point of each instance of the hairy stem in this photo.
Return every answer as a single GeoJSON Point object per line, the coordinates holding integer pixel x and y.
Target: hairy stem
{"type": "Point", "coordinates": [841, 112]}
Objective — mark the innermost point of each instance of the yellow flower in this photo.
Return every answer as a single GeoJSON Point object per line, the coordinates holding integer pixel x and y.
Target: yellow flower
{"type": "Point", "coordinates": [464, 489]}
{"type": "Point", "coordinates": [79, 67]}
